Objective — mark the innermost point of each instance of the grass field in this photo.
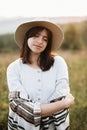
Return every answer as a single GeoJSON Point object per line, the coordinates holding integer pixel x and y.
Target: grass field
{"type": "Point", "coordinates": [77, 64]}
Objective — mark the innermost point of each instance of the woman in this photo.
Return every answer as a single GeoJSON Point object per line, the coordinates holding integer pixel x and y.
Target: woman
{"type": "Point", "coordinates": [38, 83]}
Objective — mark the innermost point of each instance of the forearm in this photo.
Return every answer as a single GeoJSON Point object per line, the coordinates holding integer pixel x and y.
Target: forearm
{"type": "Point", "coordinates": [51, 108]}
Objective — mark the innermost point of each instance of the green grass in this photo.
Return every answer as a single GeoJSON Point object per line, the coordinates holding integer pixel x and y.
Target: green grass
{"type": "Point", "coordinates": [77, 64]}
{"type": "Point", "coordinates": [5, 59]}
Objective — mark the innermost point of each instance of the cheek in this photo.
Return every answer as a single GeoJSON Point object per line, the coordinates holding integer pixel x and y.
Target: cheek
{"type": "Point", "coordinates": [29, 42]}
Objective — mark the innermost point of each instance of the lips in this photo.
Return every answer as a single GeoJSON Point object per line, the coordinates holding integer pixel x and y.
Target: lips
{"type": "Point", "coordinates": [37, 46]}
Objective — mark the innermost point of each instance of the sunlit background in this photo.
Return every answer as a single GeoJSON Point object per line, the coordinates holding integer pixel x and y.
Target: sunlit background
{"type": "Point", "coordinates": [14, 12]}
{"type": "Point", "coordinates": [41, 8]}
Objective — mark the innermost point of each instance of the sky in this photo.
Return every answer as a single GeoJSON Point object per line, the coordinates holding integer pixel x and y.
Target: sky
{"type": "Point", "coordinates": [42, 8]}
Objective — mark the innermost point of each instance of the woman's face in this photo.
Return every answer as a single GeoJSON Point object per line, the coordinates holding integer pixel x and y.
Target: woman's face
{"type": "Point", "coordinates": [38, 43]}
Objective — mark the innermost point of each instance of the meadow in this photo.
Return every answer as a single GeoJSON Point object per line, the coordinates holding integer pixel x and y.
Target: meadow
{"type": "Point", "coordinates": [77, 65]}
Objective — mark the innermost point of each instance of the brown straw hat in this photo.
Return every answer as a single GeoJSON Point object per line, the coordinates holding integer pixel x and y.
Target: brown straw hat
{"type": "Point", "coordinates": [55, 29]}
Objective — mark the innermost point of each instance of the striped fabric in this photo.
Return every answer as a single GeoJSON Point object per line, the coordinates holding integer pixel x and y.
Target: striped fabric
{"type": "Point", "coordinates": [16, 122]}
{"type": "Point", "coordinates": [58, 119]}
{"type": "Point", "coordinates": [27, 110]}
{"type": "Point", "coordinates": [26, 115]}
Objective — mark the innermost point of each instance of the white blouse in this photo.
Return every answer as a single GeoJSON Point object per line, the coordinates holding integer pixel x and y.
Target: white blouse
{"type": "Point", "coordinates": [41, 86]}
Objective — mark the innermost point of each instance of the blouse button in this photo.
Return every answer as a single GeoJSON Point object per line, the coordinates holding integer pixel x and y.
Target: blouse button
{"type": "Point", "coordinates": [38, 71]}
{"type": "Point", "coordinates": [39, 80]}
{"type": "Point", "coordinates": [39, 89]}
{"type": "Point", "coordinates": [39, 99]}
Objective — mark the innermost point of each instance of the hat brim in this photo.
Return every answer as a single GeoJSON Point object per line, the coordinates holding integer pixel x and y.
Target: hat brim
{"type": "Point", "coordinates": [55, 29]}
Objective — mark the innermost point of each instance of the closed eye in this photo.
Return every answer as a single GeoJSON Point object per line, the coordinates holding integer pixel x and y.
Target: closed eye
{"type": "Point", "coordinates": [45, 39]}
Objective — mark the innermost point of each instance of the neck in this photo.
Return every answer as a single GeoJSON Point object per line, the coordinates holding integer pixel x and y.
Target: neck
{"type": "Point", "coordinates": [34, 59]}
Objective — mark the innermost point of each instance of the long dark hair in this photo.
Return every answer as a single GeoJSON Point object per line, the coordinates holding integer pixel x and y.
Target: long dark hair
{"type": "Point", "coordinates": [46, 60]}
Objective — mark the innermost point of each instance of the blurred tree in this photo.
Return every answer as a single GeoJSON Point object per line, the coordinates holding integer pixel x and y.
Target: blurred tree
{"type": "Point", "coordinates": [71, 37]}
{"type": "Point", "coordinates": [1, 44]}
{"type": "Point", "coordinates": [7, 43]}
{"type": "Point", "coordinates": [84, 32]}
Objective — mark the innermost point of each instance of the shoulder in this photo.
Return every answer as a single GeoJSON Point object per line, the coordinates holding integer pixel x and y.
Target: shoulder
{"type": "Point", "coordinates": [59, 61]}
{"type": "Point", "coordinates": [14, 65]}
